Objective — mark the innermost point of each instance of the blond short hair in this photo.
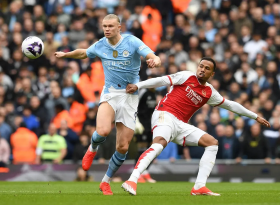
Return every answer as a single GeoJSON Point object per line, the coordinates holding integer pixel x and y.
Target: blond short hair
{"type": "Point", "coordinates": [112, 16]}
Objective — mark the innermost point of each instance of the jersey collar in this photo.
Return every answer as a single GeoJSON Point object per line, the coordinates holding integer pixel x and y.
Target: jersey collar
{"type": "Point", "coordinates": [114, 46]}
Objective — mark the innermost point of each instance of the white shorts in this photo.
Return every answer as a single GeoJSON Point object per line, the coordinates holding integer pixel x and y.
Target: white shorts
{"type": "Point", "coordinates": [176, 130]}
{"type": "Point", "coordinates": [125, 106]}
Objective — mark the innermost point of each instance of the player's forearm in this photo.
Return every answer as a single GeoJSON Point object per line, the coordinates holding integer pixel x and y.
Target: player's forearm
{"type": "Point", "coordinates": [154, 82]}
{"type": "Point", "coordinates": [77, 54]}
{"type": "Point", "coordinates": [238, 109]}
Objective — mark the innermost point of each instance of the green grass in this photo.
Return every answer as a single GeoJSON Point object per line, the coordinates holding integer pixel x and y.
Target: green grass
{"type": "Point", "coordinates": [86, 193]}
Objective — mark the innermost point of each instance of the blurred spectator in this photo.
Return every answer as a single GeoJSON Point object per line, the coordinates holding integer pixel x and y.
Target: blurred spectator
{"type": "Point", "coordinates": [245, 72]}
{"type": "Point", "coordinates": [5, 151]}
{"type": "Point", "coordinates": [70, 137]}
{"type": "Point", "coordinates": [82, 175]}
{"type": "Point", "coordinates": [230, 144]}
{"type": "Point", "coordinates": [50, 45]}
{"type": "Point", "coordinates": [29, 119]}
{"type": "Point", "coordinates": [181, 56]}
{"type": "Point", "coordinates": [40, 30]}
{"type": "Point", "coordinates": [78, 113]}
{"type": "Point", "coordinates": [213, 122]}
{"type": "Point", "coordinates": [62, 114]}
{"type": "Point", "coordinates": [13, 15]}
{"type": "Point", "coordinates": [51, 147]}
{"type": "Point", "coordinates": [65, 45]}
{"type": "Point", "coordinates": [81, 147]}
{"type": "Point", "coordinates": [258, 23]}
{"type": "Point", "coordinates": [28, 29]}
{"type": "Point", "coordinates": [23, 143]}
{"type": "Point", "coordinates": [61, 32]}
{"type": "Point", "coordinates": [169, 152]}
{"type": "Point", "coordinates": [10, 114]}
{"type": "Point", "coordinates": [41, 114]}
{"type": "Point", "coordinates": [255, 46]}
{"type": "Point", "coordinates": [77, 33]}
{"type": "Point", "coordinates": [91, 118]}
{"type": "Point", "coordinates": [152, 29]}
{"type": "Point", "coordinates": [41, 87]}
{"type": "Point", "coordinates": [255, 146]}
{"type": "Point", "coordinates": [55, 98]}
{"type": "Point", "coordinates": [5, 80]}
{"type": "Point", "coordinates": [239, 129]}
{"type": "Point", "coordinates": [5, 129]}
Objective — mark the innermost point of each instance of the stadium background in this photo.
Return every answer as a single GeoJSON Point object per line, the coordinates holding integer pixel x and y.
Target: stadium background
{"type": "Point", "coordinates": [242, 36]}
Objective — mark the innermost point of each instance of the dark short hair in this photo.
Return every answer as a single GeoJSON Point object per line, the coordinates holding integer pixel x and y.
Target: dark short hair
{"type": "Point", "coordinates": [209, 59]}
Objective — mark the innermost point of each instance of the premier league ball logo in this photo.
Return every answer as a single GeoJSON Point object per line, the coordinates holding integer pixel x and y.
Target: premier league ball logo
{"type": "Point", "coordinates": [32, 47]}
{"type": "Point", "coordinates": [35, 48]}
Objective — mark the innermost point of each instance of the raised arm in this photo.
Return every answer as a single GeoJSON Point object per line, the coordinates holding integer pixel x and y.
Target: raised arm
{"type": "Point", "coordinates": [240, 110]}
{"type": "Point", "coordinates": [77, 54]}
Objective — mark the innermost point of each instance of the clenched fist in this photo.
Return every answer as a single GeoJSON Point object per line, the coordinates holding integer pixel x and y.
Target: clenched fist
{"type": "Point", "coordinates": [59, 54]}
{"type": "Point", "coordinates": [131, 88]}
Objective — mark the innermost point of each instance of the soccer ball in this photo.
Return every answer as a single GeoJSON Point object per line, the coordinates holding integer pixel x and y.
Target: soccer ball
{"type": "Point", "coordinates": [32, 47]}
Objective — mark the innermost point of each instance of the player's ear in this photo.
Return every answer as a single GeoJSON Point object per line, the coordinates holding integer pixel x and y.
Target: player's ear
{"type": "Point", "coordinates": [213, 73]}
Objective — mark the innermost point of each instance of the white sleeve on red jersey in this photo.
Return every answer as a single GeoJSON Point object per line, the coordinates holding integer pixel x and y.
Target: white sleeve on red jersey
{"type": "Point", "coordinates": [216, 99]}
{"type": "Point", "coordinates": [174, 79]}
{"type": "Point", "coordinates": [238, 109]}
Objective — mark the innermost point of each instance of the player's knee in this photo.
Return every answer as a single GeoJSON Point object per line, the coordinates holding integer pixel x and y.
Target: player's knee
{"type": "Point", "coordinates": [122, 148]}
{"type": "Point", "coordinates": [103, 131]}
{"type": "Point", "coordinates": [214, 142]}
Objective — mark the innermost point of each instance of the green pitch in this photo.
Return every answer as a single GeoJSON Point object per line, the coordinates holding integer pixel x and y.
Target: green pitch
{"type": "Point", "coordinates": [86, 193]}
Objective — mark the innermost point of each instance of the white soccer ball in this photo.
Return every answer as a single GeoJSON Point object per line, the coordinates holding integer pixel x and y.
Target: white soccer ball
{"type": "Point", "coordinates": [32, 47]}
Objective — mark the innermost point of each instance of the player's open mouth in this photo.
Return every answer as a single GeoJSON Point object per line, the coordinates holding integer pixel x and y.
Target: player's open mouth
{"type": "Point", "coordinates": [201, 74]}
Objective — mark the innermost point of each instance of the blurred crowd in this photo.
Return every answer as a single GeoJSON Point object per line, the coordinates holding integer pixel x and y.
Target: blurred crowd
{"type": "Point", "coordinates": [48, 106]}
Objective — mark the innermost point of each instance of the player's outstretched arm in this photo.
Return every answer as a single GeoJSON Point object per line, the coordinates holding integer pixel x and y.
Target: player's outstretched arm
{"type": "Point", "coordinates": [240, 110]}
{"type": "Point", "coordinates": [150, 83]}
{"type": "Point", "coordinates": [153, 60]}
{"type": "Point", "coordinates": [77, 54]}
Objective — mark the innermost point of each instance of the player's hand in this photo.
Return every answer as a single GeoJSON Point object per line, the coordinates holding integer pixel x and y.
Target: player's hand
{"type": "Point", "coordinates": [238, 160]}
{"type": "Point", "coordinates": [56, 161]}
{"type": "Point", "coordinates": [263, 121]}
{"type": "Point", "coordinates": [131, 88]}
{"type": "Point", "coordinates": [152, 63]}
{"type": "Point", "coordinates": [267, 160]}
{"type": "Point", "coordinates": [59, 54]}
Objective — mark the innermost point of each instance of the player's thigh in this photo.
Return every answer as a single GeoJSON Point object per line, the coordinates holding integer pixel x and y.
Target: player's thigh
{"type": "Point", "coordinates": [163, 125]}
{"type": "Point", "coordinates": [104, 119]}
{"type": "Point", "coordinates": [126, 112]}
{"type": "Point", "coordinates": [189, 135]}
{"type": "Point", "coordinates": [162, 134]}
{"type": "Point", "coordinates": [124, 137]}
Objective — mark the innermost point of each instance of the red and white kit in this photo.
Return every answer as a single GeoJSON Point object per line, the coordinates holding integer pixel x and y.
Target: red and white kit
{"type": "Point", "coordinates": [185, 97]}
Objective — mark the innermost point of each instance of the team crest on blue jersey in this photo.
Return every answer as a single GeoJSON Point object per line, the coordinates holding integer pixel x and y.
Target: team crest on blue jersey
{"type": "Point", "coordinates": [125, 53]}
{"type": "Point", "coordinates": [115, 54]}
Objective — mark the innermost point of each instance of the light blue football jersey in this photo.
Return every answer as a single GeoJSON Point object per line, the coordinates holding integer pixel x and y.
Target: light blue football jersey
{"type": "Point", "coordinates": [121, 62]}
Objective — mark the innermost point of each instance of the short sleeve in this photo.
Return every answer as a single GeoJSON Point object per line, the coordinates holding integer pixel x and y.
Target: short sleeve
{"type": "Point", "coordinates": [179, 78]}
{"type": "Point", "coordinates": [62, 143]}
{"type": "Point", "coordinates": [40, 142]}
{"type": "Point", "coordinates": [216, 99]}
{"type": "Point", "coordinates": [141, 48]}
{"type": "Point", "coordinates": [91, 51]}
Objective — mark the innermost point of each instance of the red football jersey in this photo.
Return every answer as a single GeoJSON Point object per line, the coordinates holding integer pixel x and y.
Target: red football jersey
{"type": "Point", "coordinates": [187, 95]}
